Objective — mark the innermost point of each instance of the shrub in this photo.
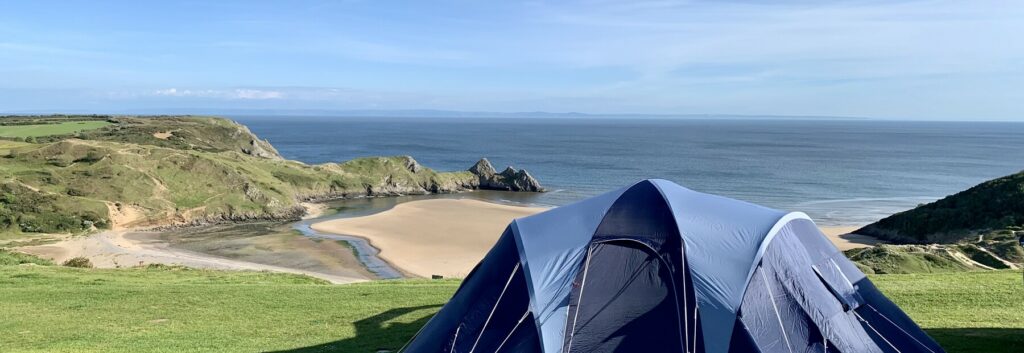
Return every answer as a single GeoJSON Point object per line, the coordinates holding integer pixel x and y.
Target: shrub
{"type": "Point", "coordinates": [80, 262]}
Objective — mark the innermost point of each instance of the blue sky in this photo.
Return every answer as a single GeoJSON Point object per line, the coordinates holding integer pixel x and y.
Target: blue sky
{"type": "Point", "coordinates": [960, 60]}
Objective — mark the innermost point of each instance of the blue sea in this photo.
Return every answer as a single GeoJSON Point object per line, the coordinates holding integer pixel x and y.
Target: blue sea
{"type": "Point", "coordinates": [841, 172]}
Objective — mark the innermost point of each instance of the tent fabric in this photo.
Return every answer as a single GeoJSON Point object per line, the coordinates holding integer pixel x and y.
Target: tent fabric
{"type": "Point", "coordinates": [656, 267]}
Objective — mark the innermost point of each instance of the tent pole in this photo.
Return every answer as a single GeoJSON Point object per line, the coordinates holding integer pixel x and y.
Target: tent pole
{"type": "Point", "coordinates": [686, 303]}
{"type": "Point", "coordinates": [777, 316]}
{"type": "Point", "coordinates": [493, 309]}
{"type": "Point", "coordinates": [456, 339]}
{"type": "Point", "coordinates": [695, 314]}
{"type": "Point", "coordinates": [898, 326]}
{"type": "Point", "coordinates": [876, 331]}
{"type": "Point", "coordinates": [576, 316]}
{"type": "Point", "coordinates": [527, 313]}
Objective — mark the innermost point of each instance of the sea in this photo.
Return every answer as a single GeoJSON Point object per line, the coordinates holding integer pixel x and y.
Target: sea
{"type": "Point", "coordinates": [840, 172]}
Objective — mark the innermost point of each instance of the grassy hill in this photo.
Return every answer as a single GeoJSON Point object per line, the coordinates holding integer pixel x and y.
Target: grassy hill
{"type": "Point", "coordinates": [976, 229]}
{"type": "Point", "coordinates": [166, 309]}
{"type": "Point", "coordinates": [994, 208]}
{"type": "Point", "coordinates": [209, 134]}
{"type": "Point", "coordinates": [179, 170]}
{"type": "Point", "coordinates": [967, 256]}
{"type": "Point", "coordinates": [59, 128]}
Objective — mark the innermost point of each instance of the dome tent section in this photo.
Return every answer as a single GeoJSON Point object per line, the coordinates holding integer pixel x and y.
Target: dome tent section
{"type": "Point", "coordinates": [655, 267]}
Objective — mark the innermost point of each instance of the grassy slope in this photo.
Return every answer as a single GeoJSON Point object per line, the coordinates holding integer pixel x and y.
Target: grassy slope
{"type": "Point", "coordinates": [202, 173]}
{"type": "Point", "coordinates": [993, 206]}
{"type": "Point", "coordinates": [50, 129]}
{"type": "Point", "coordinates": [199, 133]}
{"type": "Point", "coordinates": [993, 209]}
{"type": "Point", "coordinates": [55, 309]}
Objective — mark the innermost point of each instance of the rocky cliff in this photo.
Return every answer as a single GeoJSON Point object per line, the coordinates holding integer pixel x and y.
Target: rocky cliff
{"type": "Point", "coordinates": [509, 179]}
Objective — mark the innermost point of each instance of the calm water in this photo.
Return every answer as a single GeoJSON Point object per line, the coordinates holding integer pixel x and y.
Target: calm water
{"type": "Point", "coordinates": [840, 172]}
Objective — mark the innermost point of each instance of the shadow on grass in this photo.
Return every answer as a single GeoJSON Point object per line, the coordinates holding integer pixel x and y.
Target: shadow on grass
{"type": "Point", "coordinates": [987, 340]}
{"type": "Point", "coordinates": [374, 334]}
{"type": "Point", "coordinates": [377, 333]}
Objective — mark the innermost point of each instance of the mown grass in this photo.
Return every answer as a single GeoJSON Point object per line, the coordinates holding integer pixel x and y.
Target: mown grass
{"type": "Point", "coordinates": [38, 130]}
{"type": "Point", "coordinates": [56, 309]}
{"type": "Point", "coordinates": [978, 311]}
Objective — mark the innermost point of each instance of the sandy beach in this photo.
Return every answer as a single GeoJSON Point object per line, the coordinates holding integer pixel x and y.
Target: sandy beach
{"type": "Point", "coordinates": [444, 237]}
{"type": "Point", "coordinates": [448, 237]}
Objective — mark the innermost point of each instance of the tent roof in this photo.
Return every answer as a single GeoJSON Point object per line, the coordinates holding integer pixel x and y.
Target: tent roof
{"type": "Point", "coordinates": [723, 238]}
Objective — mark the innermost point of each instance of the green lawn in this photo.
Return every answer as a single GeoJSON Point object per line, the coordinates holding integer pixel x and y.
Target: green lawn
{"type": "Point", "coordinates": [57, 309]}
{"type": "Point", "coordinates": [50, 129]}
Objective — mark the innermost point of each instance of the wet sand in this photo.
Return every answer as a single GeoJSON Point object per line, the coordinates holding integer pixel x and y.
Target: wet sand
{"type": "Point", "coordinates": [449, 237]}
{"type": "Point", "coordinates": [112, 249]}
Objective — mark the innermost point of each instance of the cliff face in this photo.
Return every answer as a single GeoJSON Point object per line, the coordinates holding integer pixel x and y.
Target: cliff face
{"type": "Point", "coordinates": [509, 179]}
{"type": "Point", "coordinates": [130, 177]}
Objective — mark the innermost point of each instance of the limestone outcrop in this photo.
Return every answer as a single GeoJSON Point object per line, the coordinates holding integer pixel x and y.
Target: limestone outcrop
{"type": "Point", "coordinates": [509, 179]}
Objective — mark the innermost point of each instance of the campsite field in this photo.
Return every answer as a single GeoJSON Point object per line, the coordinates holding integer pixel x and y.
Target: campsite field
{"type": "Point", "coordinates": [36, 130]}
{"type": "Point", "coordinates": [59, 309]}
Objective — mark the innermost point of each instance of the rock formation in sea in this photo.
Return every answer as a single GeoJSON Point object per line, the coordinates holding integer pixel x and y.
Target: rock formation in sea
{"type": "Point", "coordinates": [509, 179]}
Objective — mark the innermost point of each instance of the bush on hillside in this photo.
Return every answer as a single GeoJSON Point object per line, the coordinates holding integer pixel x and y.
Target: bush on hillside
{"type": "Point", "coordinates": [79, 262]}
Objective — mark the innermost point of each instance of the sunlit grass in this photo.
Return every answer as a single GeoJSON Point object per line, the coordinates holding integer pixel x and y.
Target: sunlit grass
{"type": "Point", "coordinates": [38, 130]}
{"type": "Point", "coordinates": [56, 309]}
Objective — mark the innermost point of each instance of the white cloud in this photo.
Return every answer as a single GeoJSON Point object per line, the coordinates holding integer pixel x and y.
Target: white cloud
{"type": "Point", "coordinates": [237, 93]}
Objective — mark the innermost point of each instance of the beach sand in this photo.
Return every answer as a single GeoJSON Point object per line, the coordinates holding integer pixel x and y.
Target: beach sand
{"type": "Point", "coordinates": [117, 248]}
{"type": "Point", "coordinates": [448, 237]}
{"type": "Point", "coordinates": [444, 237]}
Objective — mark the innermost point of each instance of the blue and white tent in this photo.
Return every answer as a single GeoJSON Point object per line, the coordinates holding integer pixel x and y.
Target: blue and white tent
{"type": "Point", "coordinates": [656, 267]}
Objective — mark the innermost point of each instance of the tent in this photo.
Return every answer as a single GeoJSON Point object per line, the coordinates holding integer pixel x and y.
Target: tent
{"type": "Point", "coordinates": [656, 267]}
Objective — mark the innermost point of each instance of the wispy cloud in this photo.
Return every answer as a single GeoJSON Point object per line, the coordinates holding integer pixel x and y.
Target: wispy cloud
{"type": "Point", "coordinates": [237, 93]}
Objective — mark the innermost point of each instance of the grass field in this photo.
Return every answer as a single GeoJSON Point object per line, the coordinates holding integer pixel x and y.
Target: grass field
{"type": "Point", "coordinates": [38, 130]}
{"type": "Point", "coordinates": [57, 309]}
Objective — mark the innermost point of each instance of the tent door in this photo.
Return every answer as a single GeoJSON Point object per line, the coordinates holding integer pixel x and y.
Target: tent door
{"type": "Point", "coordinates": [623, 300]}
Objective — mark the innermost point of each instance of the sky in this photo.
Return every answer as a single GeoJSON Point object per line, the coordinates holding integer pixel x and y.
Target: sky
{"type": "Point", "coordinates": [930, 60]}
